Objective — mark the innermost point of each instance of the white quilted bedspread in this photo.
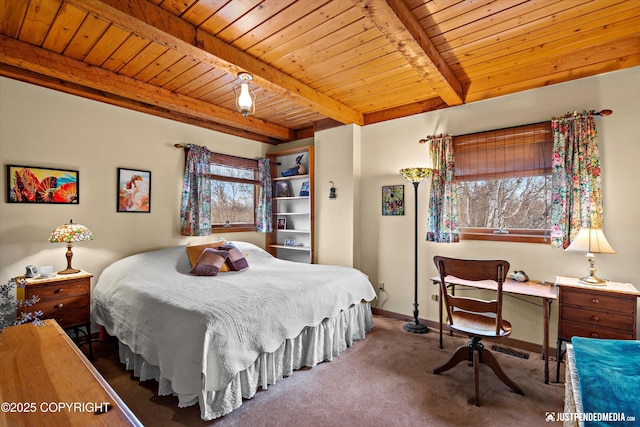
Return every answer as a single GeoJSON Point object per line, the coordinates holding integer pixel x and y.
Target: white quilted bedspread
{"type": "Point", "coordinates": [201, 331]}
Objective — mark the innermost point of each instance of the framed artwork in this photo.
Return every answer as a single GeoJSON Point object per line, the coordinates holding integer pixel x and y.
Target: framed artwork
{"type": "Point", "coordinates": [134, 190]}
{"type": "Point", "coordinates": [393, 200]}
{"type": "Point", "coordinates": [289, 242]}
{"type": "Point", "coordinates": [282, 189]}
{"type": "Point", "coordinates": [282, 223]}
{"type": "Point", "coordinates": [304, 190]}
{"type": "Point", "coordinates": [30, 184]}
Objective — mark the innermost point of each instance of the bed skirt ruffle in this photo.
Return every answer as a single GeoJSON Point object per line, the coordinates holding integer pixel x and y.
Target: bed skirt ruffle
{"type": "Point", "coordinates": [313, 345]}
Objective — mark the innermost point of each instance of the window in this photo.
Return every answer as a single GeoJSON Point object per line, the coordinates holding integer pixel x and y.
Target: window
{"type": "Point", "coordinates": [503, 181]}
{"type": "Point", "coordinates": [234, 192]}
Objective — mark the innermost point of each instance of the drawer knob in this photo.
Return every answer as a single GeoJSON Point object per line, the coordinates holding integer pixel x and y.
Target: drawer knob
{"type": "Point", "coordinates": [58, 305]}
{"type": "Point", "coordinates": [595, 301]}
{"type": "Point", "coordinates": [594, 334]}
{"type": "Point", "coordinates": [594, 317]}
{"type": "Point", "coordinates": [59, 291]}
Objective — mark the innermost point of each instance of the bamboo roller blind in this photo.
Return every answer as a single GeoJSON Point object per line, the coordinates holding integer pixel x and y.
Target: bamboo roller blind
{"type": "Point", "coordinates": [504, 153]}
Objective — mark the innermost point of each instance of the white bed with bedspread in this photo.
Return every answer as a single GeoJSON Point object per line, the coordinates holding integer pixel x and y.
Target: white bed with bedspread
{"type": "Point", "coordinates": [216, 340]}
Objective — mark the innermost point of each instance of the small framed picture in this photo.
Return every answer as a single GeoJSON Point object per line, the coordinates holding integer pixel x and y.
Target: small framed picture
{"type": "Point", "coordinates": [282, 189]}
{"type": "Point", "coordinates": [393, 200]}
{"type": "Point", "coordinates": [134, 190]}
{"type": "Point", "coordinates": [289, 242]}
{"type": "Point", "coordinates": [304, 190]}
{"type": "Point", "coordinates": [32, 184]}
{"type": "Point", "coordinates": [282, 223]}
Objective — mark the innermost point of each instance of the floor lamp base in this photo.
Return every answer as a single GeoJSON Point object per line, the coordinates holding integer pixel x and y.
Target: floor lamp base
{"type": "Point", "coordinates": [415, 327]}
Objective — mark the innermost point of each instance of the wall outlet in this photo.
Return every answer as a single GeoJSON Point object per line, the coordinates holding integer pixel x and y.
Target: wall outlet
{"type": "Point", "coordinates": [434, 297]}
{"type": "Point", "coordinates": [381, 285]}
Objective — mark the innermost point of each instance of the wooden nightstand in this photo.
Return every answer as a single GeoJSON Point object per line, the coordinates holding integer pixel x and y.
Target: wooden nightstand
{"type": "Point", "coordinates": [63, 297]}
{"type": "Point", "coordinates": [608, 312]}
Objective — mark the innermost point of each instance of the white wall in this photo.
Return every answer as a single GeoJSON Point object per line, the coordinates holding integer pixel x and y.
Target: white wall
{"type": "Point", "coordinates": [387, 242]}
{"type": "Point", "coordinates": [41, 127]}
{"type": "Point", "coordinates": [337, 162]}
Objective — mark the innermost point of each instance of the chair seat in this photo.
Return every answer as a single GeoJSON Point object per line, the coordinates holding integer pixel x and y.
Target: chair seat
{"type": "Point", "coordinates": [478, 324]}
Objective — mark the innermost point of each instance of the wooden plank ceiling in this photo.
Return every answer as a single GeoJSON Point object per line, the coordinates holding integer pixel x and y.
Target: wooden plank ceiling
{"type": "Point", "coordinates": [314, 62]}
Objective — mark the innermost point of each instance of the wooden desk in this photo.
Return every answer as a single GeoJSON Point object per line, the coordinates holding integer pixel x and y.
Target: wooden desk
{"type": "Point", "coordinates": [547, 292]}
{"type": "Point", "coordinates": [47, 381]}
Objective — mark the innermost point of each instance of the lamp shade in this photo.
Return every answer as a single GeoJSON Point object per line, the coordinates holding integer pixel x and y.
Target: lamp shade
{"type": "Point", "coordinates": [590, 240]}
{"type": "Point", "coordinates": [416, 174]}
{"type": "Point", "coordinates": [70, 233]}
{"type": "Point", "coordinates": [245, 97]}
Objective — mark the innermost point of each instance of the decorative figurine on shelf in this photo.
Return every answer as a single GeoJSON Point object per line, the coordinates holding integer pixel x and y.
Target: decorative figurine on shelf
{"type": "Point", "coordinates": [299, 169]}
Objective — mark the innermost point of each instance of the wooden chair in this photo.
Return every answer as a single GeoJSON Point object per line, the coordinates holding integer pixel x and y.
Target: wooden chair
{"type": "Point", "coordinates": [474, 317]}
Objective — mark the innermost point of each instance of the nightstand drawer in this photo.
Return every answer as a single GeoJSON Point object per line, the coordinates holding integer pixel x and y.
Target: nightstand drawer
{"type": "Point", "coordinates": [599, 301]}
{"type": "Point", "coordinates": [568, 330]}
{"type": "Point", "coordinates": [71, 318]}
{"type": "Point", "coordinates": [50, 307]}
{"type": "Point", "coordinates": [596, 318]}
{"type": "Point", "coordinates": [61, 289]}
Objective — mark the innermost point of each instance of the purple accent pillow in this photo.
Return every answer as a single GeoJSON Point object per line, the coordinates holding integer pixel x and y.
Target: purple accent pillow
{"type": "Point", "coordinates": [209, 262]}
{"type": "Point", "coordinates": [236, 260]}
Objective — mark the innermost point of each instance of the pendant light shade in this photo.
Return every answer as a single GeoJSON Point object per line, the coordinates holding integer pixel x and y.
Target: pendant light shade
{"type": "Point", "coordinates": [245, 98]}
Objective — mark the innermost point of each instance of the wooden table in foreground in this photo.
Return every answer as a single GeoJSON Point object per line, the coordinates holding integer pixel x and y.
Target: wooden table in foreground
{"type": "Point", "coordinates": [547, 292]}
{"type": "Point", "coordinates": [47, 381]}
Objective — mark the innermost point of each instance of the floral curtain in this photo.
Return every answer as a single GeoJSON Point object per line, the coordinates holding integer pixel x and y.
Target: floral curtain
{"type": "Point", "coordinates": [443, 206]}
{"type": "Point", "coordinates": [263, 212]}
{"type": "Point", "coordinates": [576, 198]}
{"type": "Point", "coordinates": [195, 210]}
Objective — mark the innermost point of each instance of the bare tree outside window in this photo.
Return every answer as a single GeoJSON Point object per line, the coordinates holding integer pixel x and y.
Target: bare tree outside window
{"type": "Point", "coordinates": [232, 203]}
{"type": "Point", "coordinates": [520, 203]}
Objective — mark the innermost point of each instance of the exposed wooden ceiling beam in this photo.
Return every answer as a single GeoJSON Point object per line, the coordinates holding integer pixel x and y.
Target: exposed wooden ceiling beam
{"type": "Point", "coordinates": [40, 61]}
{"type": "Point", "coordinates": [404, 110]}
{"type": "Point", "coordinates": [398, 25]}
{"type": "Point", "coordinates": [98, 95]}
{"type": "Point", "coordinates": [155, 23]}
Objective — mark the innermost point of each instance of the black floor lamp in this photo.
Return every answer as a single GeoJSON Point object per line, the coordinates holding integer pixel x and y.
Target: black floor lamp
{"type": "Point", "coordinates": [415, 175]}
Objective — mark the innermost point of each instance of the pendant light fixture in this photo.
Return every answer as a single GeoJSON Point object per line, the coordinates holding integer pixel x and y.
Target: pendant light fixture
{"type": "Point", "coordinates": [245, 98]}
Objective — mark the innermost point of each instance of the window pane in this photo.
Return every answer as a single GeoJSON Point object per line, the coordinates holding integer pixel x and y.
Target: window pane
{"type": "Point", "coordinates": [231, 171]}
{"type": "Point", "coordinates": [232, 202]}
{"type": "Point", "coordinates": [521, 203]}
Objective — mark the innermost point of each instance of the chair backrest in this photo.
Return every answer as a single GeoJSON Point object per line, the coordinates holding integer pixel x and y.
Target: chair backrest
{"type": "Point", "coordinates": [473, 270]}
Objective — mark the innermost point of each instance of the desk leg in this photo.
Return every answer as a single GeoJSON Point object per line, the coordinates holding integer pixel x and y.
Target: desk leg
{"type": "Point", "coordinates": [440, 311]}
{"type": "Point", "coordinates": [545, 348]}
